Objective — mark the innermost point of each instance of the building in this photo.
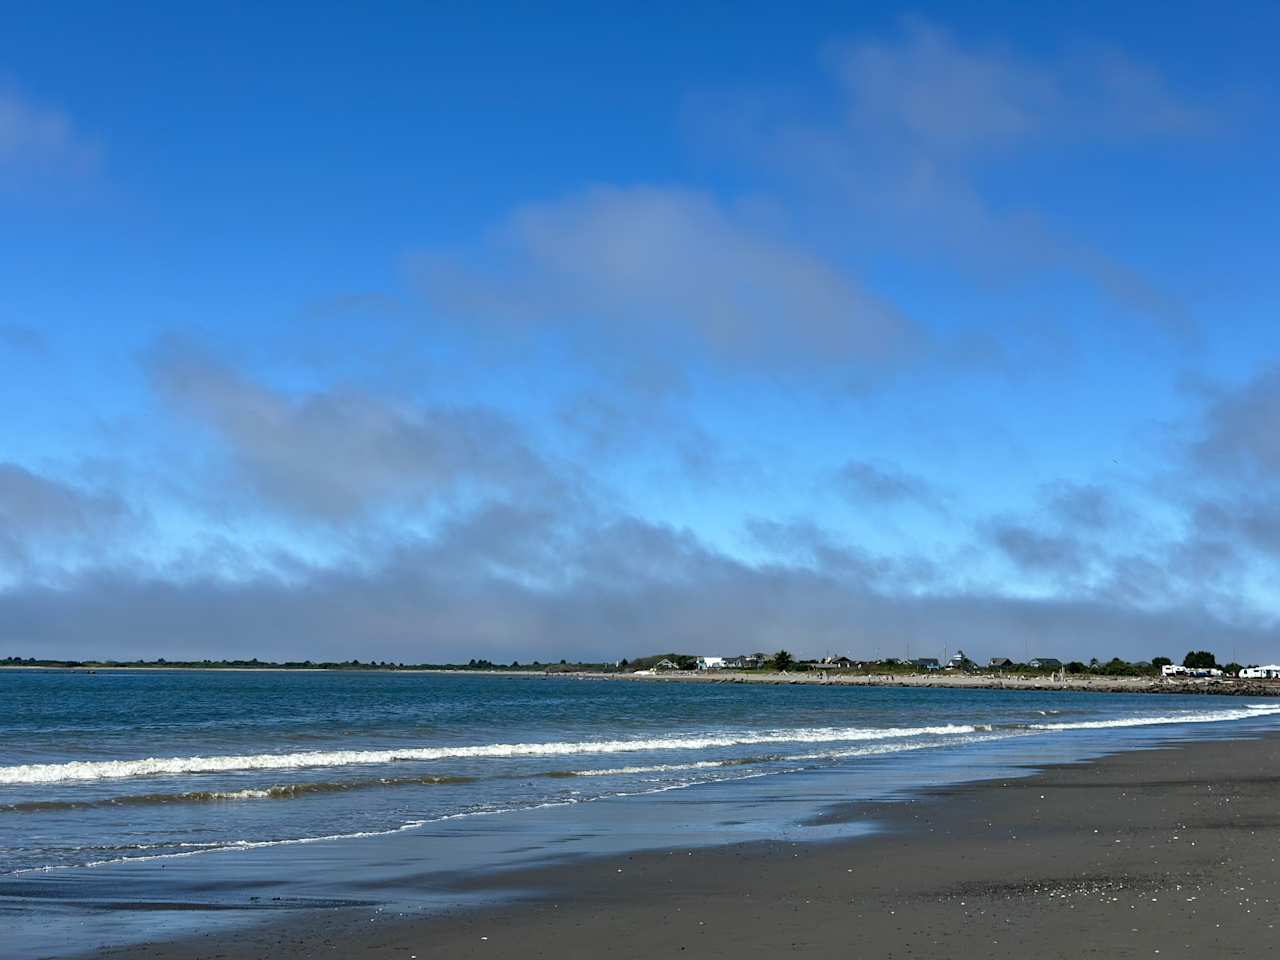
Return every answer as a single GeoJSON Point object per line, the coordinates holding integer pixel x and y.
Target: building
{"type": "Point", "coordinates": [927, 663]}
{"type": "Point", "coordinates": [839, 663]}
{"type": "Point", "coordinates": [1045, 663]}
{"type": "Point", "coordinates": [959, 661]}
{"type": "Point", "coordinates": [1172, 670]}
{"type": "Point", "coordinates": [745, 661]}
{"type": "Point", "coordinates": [711, 663]}
{"type": "Point", "coordinates": [999, 663]}
{"type": "Point", "coordinates": [1269, 672]}
{"type": "Point", "coordinates": [665, 664]}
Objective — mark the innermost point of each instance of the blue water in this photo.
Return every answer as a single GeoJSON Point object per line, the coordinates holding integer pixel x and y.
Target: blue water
{"type": "Point", "coordinates": [262, 757]}
{"type": "Point", "coordinates": [126, 786]}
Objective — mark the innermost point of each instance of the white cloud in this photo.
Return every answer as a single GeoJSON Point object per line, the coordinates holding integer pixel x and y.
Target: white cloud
{"type": "Point", "coordinates": [659, 271]}
{"type": "Point", "coordinates": [339, 453]}
{"type": "Point", "coordinates": [36, 140]}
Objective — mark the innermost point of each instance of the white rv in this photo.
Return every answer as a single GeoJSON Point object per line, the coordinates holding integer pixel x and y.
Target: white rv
{"type": "Point", "coordinates": [1269, 672]}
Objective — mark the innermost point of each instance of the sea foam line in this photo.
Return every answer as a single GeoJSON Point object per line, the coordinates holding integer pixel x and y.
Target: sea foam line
{"type": "Point", "coordinates": [1247, 713]}
{"type": "Point", "coordinates": [157, 766]}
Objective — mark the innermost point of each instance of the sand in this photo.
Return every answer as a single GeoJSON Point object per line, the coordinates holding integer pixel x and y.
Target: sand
{"type": "Point", "coordinates": [1157, 853]}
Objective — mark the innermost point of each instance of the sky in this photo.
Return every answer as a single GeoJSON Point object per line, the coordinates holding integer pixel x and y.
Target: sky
{"type": "Point", "coordinates": [431, 332]}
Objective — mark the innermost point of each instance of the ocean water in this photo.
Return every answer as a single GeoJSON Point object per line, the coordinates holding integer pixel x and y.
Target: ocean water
{"type": "Point", "coordinates": [105, 766]}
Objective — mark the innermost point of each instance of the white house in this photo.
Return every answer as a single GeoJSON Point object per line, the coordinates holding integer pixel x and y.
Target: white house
{"type": "Point", "coordinates": [711, 663]}
{"type": "Point", "coordinates": [1269, 672]}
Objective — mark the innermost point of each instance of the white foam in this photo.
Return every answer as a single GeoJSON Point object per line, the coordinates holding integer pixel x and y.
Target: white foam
{"type": "Point", "coordinates": [1215, 716]}
{"type": "Point", "coordinates": [656, 768]}
{"type": "Point", "coordinates": [160, 766]}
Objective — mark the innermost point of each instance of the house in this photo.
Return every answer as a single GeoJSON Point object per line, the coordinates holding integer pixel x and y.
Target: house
{"type": "Point", "coordinates": [745, 661]}
{"type": "Point", "coordinates": [711, 663]}
{"type": "Point", "coordinates": [839, 663]}
{"type": "Point", "coordinates": [1045, 663]}
{"type": "Point", "coordinates": [1269, 672]}
{"type": "Point", "coordinates": [666, 664]}
{"type": "Point", "coordinates": [927, 663]}
{"type": "Point", "coordinates": [959, 661]}
{"type": "Point", "coordinates": [1000, 663]}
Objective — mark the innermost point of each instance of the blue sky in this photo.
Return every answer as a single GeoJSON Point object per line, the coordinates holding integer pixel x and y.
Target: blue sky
{"type": "Point", "coordinates": [437, 331]}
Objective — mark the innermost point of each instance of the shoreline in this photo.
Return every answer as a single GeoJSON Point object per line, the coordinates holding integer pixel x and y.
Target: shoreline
{"type": "Point", "coordinates": [1166, 850]}
{"type": "Point", "coordinates": [971, 681]}
{"type": "Point", "coordinates": [1075, 683]}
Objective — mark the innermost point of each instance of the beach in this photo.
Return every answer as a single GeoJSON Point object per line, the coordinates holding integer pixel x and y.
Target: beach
{"type": "Point", "coordinates": [1169, 852]}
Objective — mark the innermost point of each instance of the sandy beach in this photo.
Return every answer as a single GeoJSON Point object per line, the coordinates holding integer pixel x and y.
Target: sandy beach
{"type": "Point", "coordinates": [1169, 853]}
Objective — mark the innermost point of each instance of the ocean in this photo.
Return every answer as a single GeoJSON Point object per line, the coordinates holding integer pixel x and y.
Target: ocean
{"type": "Point", "coordinates": [197, 786]}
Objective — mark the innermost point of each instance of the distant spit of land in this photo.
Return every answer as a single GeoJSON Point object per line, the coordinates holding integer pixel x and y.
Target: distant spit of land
{"type": "Point", "coordinates": [954, 679]}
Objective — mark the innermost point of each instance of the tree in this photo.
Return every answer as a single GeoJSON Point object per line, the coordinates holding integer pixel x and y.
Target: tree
{"type": "Point", "coordinates": [1199, 660]}
{"type": "Point", "coordinates": [782, 660]}
{"type": "Point", "coordinates": [1159, 662]}
{"type": "Point", "coordinates": [1232, 669]}
{"type": "Point", "coordinates": [1075, 666]}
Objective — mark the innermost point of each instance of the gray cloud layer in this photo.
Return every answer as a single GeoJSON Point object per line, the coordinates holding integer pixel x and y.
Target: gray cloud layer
{"type": "Point", "coordinates": [534, 565]}
{"type": "Point", "coordinates": [39, 514]}
{"type": "Point", "coordinates": [338, 453]}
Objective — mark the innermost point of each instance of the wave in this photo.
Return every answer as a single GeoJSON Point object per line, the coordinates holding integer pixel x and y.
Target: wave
{"type": "Point", "coordinates": [287, 791]}
{"type": "Point", "coordinates": [1216, 716]}
{"type": "Point", "coordinates": [79, 771]}
{"type": "Point", "coordinates": [158, 766]}
{"type": "Point", "coordinates": [665, 767]}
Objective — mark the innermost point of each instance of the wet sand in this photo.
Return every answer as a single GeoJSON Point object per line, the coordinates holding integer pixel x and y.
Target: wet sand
{"type": "Point", "coordinates": [1168, 853]}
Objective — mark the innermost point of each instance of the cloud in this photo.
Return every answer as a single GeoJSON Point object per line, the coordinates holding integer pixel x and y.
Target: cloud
{"type": "Point", "coordinates": [1239, 440]}
{"type": "Point", "coordinates": [928, 133]}
{"type": "Point", "coordinates": [37, 140]}
{"type": "Point", "coordinates": [339, 454]}
{"type": "Point", "coordinates": [23, 339]}
{"type": "Point", "coordinates": [861, 482]}
{"type": "Point", "coordinates": [1038, 552]}
{"type": "Point", "coordinates": [1081, 506]}
{"type": "Point", "coordinates": [654, 271]}
{"type": "Point", "coordinates": [927, 89]}
{"type": "Point", "coordinates": [1229, 480]}
{"type": "Point", "coordinates": [618, 588]}
{"type": "Point", "coordinates": [40, 515]}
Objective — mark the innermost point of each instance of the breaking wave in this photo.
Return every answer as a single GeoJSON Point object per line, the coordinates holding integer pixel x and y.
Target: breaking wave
{"type": "Point", "coordinates": [1212, 716]}
{"type": "Point", "coordinates": [159, 766]}
{"type": "Point", "coordinates": [287, 791]}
